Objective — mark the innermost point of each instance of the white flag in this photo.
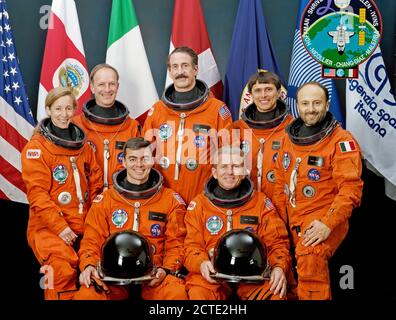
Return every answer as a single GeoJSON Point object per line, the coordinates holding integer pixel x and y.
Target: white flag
{"type": "Point", "coordinates": [371, 115]}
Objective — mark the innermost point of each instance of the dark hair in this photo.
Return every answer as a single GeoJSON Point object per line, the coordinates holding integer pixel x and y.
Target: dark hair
{"type": "Point", "coordinates": [187, 50]}
{"type": "Point", "coordinates": [102, 66]}
{"type": "Point", "coordinates": [135, 144]}
{"type": "Point", "coordinates": [264, 77]}
{"type": "Point", "coordinates": [314, 83]}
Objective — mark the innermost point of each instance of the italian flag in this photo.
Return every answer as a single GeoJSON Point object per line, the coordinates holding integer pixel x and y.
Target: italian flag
{"type": "Point", "coordinates": [126, 53]}
{"type": "Point", "coordinates": [347, 146]}
{"type": "Point", "coordinates": [64, 58]}
{"type": "Point", "coordinates": [189, 29]}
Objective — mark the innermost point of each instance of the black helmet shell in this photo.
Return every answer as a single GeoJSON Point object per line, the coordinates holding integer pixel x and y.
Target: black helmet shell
{"type": "Point", "coordinates": [126, 255]}
{"type": "Point", "coordinates": [240, 253]}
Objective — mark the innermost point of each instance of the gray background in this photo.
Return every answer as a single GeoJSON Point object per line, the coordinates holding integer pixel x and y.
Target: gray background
{"type": "Point", "coordinates": [155, 20]}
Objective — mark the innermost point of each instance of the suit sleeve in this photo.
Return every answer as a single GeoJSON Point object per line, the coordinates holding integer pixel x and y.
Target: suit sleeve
{"type": "Point", "coordinates": [273, 233]}
{"type": "Point", "coordinates": [347, 170]}
{"type": "Point", "coordinates": [194, 244]}
{"type": "Point", "coordinates": [96, 231]}
{"type": "Point", "coordinates": [175, 234]}
{"type": "Point", "coordinates": [38, 179]}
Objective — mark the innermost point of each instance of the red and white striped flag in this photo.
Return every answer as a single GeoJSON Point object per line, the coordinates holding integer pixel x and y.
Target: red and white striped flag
{"type": "Point", "coordinates": [189, 29]}
{"type": "Point", "coordinates": [16, 118]}
{"type": "Point", "coordinates": [64, 58]}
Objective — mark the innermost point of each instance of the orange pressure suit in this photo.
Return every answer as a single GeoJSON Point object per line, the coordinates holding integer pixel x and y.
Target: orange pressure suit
{"type": "Point", "coordinates": [261, 140]}
{"type": "Point", "coordinates": [158, 214]}
{"type": "Point", "coordinates": [107, 136]}
{"type": "Point", "coordinates": [62, 177]}
{"type": "Point", "coordinates": [186, 138]}
{"type": "Point", "coordinates": [317, 178]}
{"type": "Point", "coordinates": [209, 217]}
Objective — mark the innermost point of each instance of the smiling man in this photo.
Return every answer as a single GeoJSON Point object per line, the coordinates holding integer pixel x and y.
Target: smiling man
{"type": "Point", "coordinates": [106, 121]}
{"type": "Point", "coordinates": [137, 201]}
{"type": "Point", "coordinates": [317, 186]}
{"type": "Point", "coordinates": [230, 202]}
{"type": "Point", "coordinates": [261, 129]}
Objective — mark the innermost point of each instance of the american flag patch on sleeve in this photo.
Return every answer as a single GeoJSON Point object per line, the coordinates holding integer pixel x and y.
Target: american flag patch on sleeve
{"type": "Point", "coordinates": [347, 146]}
{"type": "Point", "coordinates": [224, 112]}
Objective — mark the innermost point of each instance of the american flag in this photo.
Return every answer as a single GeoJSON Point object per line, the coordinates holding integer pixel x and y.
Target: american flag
{"type": "Point", "coordinates": [16, 118]}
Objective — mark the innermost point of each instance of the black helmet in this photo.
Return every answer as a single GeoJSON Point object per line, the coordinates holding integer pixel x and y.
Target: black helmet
{"type": "Point", "coordinates": [240, 253]}
{"type": "Point", "coordinates": [126, 255]}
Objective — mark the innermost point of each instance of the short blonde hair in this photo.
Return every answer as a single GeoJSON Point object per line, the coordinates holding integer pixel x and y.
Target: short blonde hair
{"type": "Point", "coordinates": [57, 93]}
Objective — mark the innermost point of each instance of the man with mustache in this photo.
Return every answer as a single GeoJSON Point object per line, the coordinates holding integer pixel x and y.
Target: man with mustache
{"type": "Point", "coordinates": [185, 125]}
{"type": "Point", "coordinates": [317, 186]}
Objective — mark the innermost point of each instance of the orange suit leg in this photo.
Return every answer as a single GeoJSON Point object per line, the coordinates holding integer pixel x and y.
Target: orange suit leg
{"type": "Point", "coordinates": [200, 289]}
{"type": "Point", "coordinates": [171, 288]}
{"type": "Point", "coordinates": [257, 292]}
{"type": "Point", "coordinates": [115, 293]}
{"type": "Point", "coordinates": [58, 264]}
{"type": "Point", "coordinates": [312, 265]}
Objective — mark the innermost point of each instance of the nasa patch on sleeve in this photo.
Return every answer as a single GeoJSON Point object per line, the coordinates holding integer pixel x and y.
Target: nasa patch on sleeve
{"type": "Point", "coordinates": [33, 153]}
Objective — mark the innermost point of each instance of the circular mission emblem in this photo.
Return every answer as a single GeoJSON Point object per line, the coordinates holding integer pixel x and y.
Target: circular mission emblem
{"type": "Point", "coordinates": [341, 33]}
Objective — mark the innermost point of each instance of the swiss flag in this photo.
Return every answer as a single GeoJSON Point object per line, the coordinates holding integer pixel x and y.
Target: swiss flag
{"type": "Point", "coordinates": [64, 58]}
{"type": "Point", "coordinates": [189, 29]}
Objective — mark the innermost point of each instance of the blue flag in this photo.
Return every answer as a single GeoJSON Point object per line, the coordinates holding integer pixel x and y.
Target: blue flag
{"type": "Point", "coordinates": [304, 68]}
{"type": "Point", "coordinates": [16, 119]}
{"type": "Point", "coordinates": [250, 51]}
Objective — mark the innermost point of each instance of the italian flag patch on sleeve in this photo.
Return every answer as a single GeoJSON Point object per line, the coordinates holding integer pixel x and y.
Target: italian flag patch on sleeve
{"type": "Point", "coordinates": [347, 146]}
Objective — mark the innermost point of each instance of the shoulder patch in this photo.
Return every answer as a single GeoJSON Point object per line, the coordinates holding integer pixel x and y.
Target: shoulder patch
{"type": "Point", "coordinates": [347, 146]}
{"type": "Point", "coordinates": [179, 198]}
{"type": "Point", "coordinates": [98, 198]}
{"type": "Point", "coordinates": [192, 205]}
{"type": "Point", "coordinates": [224, 112]}
{"type": "Point", "coordinates": [33, 153]}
